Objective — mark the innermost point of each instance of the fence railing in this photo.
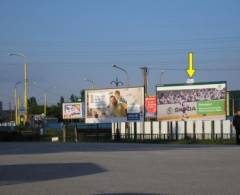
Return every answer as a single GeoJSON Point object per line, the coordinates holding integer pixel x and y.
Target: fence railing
{"type": "Point", "coordinates": [174, 130]}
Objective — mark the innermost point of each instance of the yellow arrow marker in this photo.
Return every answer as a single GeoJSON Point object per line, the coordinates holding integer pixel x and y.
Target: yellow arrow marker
{"type": "Point", "coordinates": [190, 71]}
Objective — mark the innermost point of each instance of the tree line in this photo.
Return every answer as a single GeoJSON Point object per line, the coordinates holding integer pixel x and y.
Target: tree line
{"type": "Point", "coordinates": [55, 110]}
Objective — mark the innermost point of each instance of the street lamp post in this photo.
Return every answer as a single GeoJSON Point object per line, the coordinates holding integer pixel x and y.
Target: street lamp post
{"type": "Point", "coordinates": [44, 95]}
{"type": "Point", "coordinates": [125, 71]}
{"type": "Point", "coordinates": [25, 84]}
{"type": "Point", "coordinates": [16, 102]}
{"type": "Point", "coordinates": [45, 99]}
{"type": "Point", "coordinates": [116, 83]}
{"type": "Point", "coordinates": [45, 104]}
{"type": "Point", "coordinates": [18, 109]}
{"type": "Point", "coordinates": [90, 81]}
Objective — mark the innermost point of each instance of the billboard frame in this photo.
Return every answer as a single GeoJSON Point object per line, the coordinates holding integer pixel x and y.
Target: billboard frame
{"type": "Point", "coordinates": [192, 84]}
{"type": "Point", "coordinates": [81, 107]}
{"type": "Point", "coordinates": [107, 88]}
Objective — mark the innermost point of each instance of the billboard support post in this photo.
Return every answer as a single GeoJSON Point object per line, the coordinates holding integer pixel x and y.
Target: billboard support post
{"type": "Point", "coordinates": [64, 133]}
{"type": "Point", "coordinates": [75, 134]}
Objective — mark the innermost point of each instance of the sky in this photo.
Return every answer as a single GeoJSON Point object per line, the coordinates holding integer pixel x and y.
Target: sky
{"type": "Point", "coordinates": [69, 40]}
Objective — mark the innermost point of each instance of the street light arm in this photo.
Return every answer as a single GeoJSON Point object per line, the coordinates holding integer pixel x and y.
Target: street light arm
{"type": "Point", "coordinates": [122, 69]}
{"type": "Point", "coordinates": [17, 54]}
{"type": "Point", "coordinates": [17, 83]}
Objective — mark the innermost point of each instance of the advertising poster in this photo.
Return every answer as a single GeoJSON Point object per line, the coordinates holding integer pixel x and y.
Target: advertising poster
{"type": "Point", "coordinates": [114, 105]}
{"type": "Point", "coordinates": [72, 110]}
{"type": "Point", "coordinates": [191, 102]}
{"type": "Point", "coordinates": [151, 106]}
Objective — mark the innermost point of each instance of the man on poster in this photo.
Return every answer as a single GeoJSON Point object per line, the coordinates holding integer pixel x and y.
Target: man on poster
{"type": "Point", "coordinates": [117, 109]}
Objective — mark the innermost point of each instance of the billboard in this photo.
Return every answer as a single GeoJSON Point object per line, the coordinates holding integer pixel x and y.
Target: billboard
{"type": "Point", "coordinates": [151, 106]}
{"type": "Point", "coordinates": [114, 105]}
{"type": "Point", "coordinates": [72, 110]}
{"type": "Point", "coordinates": [205, 101]}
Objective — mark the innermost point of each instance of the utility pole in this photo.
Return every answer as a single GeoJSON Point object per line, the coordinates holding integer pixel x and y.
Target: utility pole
{"type": "Point", "coordinates": [145, 82]}
{"type": "Point", "coordinates": [145, 79]}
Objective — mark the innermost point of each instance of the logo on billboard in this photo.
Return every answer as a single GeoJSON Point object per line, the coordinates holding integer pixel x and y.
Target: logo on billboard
{"type": "Point", "coordinates": [169, 110]}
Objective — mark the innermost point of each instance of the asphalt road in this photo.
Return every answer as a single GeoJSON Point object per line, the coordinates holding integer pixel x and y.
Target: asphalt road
{"type": "Point", "coordinates": [45, 168]}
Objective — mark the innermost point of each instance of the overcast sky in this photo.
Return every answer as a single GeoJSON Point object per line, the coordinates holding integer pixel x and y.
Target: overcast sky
{"type": "Point", "coordinates": [66, 41]}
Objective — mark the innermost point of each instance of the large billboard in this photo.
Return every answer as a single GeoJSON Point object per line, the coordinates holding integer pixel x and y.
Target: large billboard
{"type": "Point", "coordinates": [72, 110]}
{"type": "Point", "coordinates": [205, 101]}
{"type": "Point", "coordinates": [114, 105]}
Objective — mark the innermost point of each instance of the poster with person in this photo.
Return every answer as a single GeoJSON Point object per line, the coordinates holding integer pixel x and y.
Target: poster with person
{"type": "Point", "coordinates": [114, 105]}
{"type": "Point", "coordinates": [204, 101]}
{"type": "Point", "coordinates": [72, 110]}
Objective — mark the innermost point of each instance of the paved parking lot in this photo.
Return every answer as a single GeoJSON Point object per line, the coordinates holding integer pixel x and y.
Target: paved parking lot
{"type": "Point", "coordinates": [45, 168]}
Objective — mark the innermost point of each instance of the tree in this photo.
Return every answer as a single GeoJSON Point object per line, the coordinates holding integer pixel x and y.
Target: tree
{"type": "Point", "coordinates": [32, 101]}
{"type": "Point", "coordinates": [73, 98]}
{"type": "Point", "coordinates": [61, 101]}
{"type": "Point", "coordinates": [82, 93]}
{"type": "Point", "coordinates": [33, 106]}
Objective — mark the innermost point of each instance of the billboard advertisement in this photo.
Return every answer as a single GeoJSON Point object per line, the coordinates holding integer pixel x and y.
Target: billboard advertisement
{"type": "Point", "coordinates": [114, 105]}
{"type": "Point", "coordinates": [205, 101]}
{"type": "Point", "coordinates": [151, 106]}
{"type": "Point", "coordinates": [72, 110]}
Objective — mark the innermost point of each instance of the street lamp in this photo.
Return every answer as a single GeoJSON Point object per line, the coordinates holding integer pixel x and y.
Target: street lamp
{"type": "Point", "coordinates": [25, 84]}
{"type": "Point", "coordinates": [116, 82]}
{"type": "Point", "coordinates": [90, 81]}
{"type": "Point", "coordinates": [45, 96]}
{"type": "Point", "coordinates": [161, 75]}
{"type": "Point", "coordinates": [127, 82]}
{"type": "Point", "coordinates": [122, 69]}
{"type": "Point", "coordinates": [45, 99]}
{"type": "Point", "coordinates": [16, 102]}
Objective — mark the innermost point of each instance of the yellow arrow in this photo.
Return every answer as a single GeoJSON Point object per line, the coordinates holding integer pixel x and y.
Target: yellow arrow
{"type": "Point", "coordinates": [190, 71]}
